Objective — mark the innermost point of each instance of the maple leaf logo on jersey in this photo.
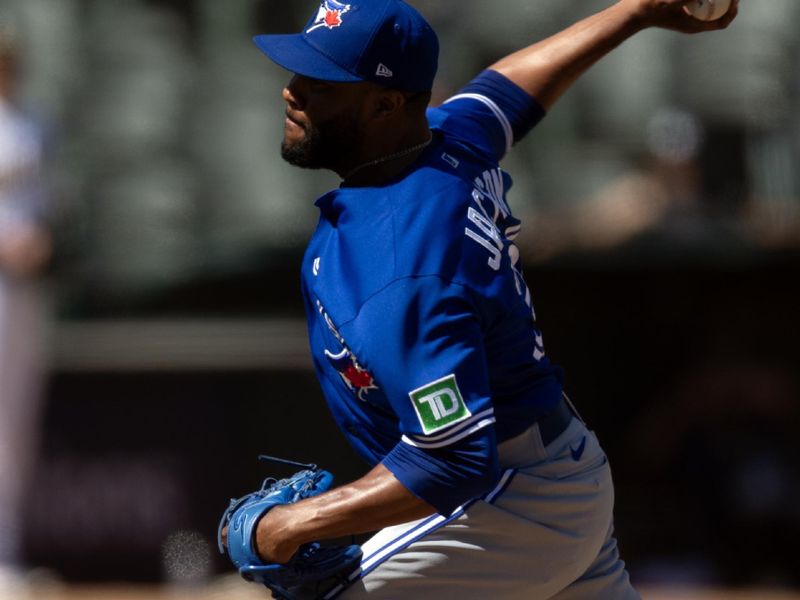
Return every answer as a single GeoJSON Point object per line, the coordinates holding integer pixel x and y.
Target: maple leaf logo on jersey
{"type": "Point", "coordinates": [329, 15]}
{"type": "Point", "coordinates": [358, 379]}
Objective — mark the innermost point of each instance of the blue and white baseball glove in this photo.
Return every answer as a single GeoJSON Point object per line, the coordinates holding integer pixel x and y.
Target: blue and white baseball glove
{"type": "Point", "coordinates": [312, 562]}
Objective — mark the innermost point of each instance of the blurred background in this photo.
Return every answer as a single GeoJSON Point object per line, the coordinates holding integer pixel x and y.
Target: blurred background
{"type": "Point", "coordinates": [152, 341]}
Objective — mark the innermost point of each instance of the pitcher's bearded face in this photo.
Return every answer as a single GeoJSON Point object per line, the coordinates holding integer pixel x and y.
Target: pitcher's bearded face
{"type": "Point", "coordinates": [319, 145]}
{"type": "Point", "coordinates": [322, 127]}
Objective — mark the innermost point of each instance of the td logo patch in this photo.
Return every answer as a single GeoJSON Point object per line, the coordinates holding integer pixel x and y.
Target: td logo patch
{"type": "Point", "coordinates": [439, 404]}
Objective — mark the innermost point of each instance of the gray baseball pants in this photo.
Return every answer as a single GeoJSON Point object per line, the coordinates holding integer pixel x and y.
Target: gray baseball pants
{"type": "Point", "coordinates": [544, 533]}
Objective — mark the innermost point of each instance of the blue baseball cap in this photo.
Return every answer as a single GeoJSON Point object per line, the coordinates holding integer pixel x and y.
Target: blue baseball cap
{"type": "Point", "coordinates": [383, 41]}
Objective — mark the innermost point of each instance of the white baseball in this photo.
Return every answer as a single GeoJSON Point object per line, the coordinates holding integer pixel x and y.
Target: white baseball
{"type": "Point", "coordinates": [708, 10]}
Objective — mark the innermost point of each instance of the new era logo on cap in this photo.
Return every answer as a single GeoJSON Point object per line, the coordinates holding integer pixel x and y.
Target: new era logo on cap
{"type": "Point", "coordinates": [384, 71]}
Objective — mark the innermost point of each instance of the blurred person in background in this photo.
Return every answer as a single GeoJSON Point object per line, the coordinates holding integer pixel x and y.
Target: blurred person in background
{"type": "Point", "coordinates": [657, 202]}
{"type": "Point", "coordinates": [25, 247]}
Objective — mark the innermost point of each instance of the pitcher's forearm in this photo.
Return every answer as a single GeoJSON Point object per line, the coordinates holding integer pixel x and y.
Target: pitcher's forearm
{"type": "Point", "coordinates": [373, 502]}
{"type": "Point", "coordinates": [546, 69]}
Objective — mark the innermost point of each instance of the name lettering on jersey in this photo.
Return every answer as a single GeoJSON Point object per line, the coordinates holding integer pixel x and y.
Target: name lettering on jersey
{"type": "Point", "coordinates": [439, 404]}
{"type": "Point", "coordinates": [491, 207]}
{"type": "Point", "coordinates": [489, 236]}
{"type": "Point", "coordinates": [315, 266]}
{"type": "Point", "coordinates": [490, 185]}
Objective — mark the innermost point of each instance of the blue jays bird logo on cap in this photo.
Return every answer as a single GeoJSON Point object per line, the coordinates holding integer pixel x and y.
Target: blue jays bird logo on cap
{"type": "Point", "coordinates": [329, 15]}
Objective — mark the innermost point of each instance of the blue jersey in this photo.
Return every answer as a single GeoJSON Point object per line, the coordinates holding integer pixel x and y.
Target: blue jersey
{"type": "Point", "coordinates": [422, 329]}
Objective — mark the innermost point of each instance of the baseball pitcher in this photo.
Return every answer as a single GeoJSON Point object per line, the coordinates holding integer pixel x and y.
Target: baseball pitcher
{"type": "Point", "coordinates": [484, 481]}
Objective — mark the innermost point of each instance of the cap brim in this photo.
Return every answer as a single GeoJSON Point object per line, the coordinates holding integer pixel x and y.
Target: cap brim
{"type": "Point", "coordinates": [295, 54]}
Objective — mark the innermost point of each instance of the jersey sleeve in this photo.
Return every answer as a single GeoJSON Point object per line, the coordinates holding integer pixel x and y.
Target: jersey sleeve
{"type": "Point", "coordinates": [424, 344]}
{"type": "Point", "coordinates": [490, 114]}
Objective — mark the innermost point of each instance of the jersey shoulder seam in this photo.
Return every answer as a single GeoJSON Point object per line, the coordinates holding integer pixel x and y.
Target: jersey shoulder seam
{"type": "Point", "coordinates": [399, 279]}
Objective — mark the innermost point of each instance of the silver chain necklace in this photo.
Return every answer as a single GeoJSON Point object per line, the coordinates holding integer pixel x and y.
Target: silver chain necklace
{"type": "Point", "coordinates": [389, 157]}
